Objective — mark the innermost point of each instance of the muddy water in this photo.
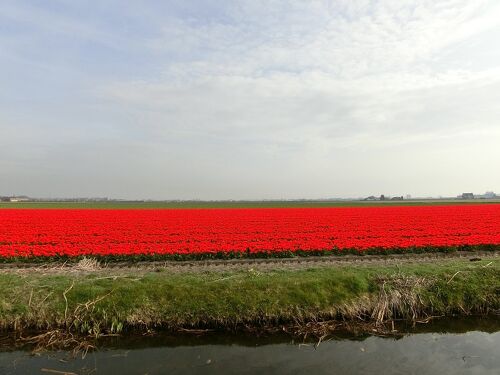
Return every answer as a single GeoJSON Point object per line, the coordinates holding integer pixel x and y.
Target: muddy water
{"type": "Point", "coordinates": [470, 346]}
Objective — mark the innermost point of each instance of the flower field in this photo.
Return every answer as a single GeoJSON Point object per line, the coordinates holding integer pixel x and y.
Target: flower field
{"type": "Point", "coordinates": [204, 233]}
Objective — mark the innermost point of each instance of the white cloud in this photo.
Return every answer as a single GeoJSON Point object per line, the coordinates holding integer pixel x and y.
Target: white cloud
{"type": "Point", "coordinates": [309, 97]}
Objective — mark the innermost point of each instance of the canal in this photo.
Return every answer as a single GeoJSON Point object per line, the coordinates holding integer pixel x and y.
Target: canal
{"type": "Point", "coordinates": [457, 346]}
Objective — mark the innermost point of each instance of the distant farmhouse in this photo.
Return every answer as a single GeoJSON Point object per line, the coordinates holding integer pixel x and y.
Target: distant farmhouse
{"type": "Point", "coordinates": [18, 198]}
{"type": "Point", "coordinates": [383, 198]}
{"type": "Point", "coordinates": [487, 195]}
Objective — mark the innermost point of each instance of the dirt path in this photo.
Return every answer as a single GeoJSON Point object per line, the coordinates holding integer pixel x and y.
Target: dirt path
{"type": "Point", "coordinates": [92, 266]}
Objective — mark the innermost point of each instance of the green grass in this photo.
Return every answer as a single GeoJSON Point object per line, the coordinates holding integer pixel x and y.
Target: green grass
{"type": "Point", "coordinates": [235, 204]}
{"type": "Point", "coordinates": [230, 299]}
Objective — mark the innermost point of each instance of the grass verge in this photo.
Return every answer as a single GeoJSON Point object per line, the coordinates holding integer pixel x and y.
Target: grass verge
{"type": "Point", "coordinates": [103, 303]}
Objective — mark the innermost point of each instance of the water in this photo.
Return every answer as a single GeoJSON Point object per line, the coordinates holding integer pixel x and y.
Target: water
{"type": "Point", "coordinates": [456, 347]}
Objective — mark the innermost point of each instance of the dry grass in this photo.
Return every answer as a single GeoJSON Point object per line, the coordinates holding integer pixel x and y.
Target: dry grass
{"type": "Point", "coordinates": [399, 297]}
{"type": "Point", "coordinates": [88, 265]}
{"type": "Point", "coordinates": [58, 339]}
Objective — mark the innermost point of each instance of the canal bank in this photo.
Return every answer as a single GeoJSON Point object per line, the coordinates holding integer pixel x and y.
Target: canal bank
{"type": "Point", "coordinates": [91, 300]}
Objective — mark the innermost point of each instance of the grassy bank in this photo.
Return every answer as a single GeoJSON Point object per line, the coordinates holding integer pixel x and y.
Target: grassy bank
{"type": "Point", "coordinates": [111, 301]}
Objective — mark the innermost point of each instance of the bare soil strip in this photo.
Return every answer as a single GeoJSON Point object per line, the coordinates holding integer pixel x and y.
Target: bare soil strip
{"type": "Point", "coordinates": [90, 265]}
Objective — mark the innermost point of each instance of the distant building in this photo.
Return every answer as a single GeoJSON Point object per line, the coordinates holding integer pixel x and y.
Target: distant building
{"type": "Point", "coordinates": [490, 195]}
{"type": "Point", "coordinates": [397, 198]}
{"type": "Point", "coordinates": [383, 198]}
{"type": "Point", "coordinates": [467, 196]}
{"type": "Point", "coordinates": [19, 198]}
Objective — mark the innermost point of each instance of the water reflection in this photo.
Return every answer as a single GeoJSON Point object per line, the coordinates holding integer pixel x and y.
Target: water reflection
{"type": "Point", "coordinates": [443, 351]}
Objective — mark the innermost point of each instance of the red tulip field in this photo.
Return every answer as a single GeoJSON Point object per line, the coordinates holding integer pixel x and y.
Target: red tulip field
{"type": "Point", "coordinates": [252, 232]}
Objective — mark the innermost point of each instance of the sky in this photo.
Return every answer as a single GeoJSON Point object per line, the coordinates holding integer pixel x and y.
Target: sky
{"type": "Point", "coordinates": [249, 99]}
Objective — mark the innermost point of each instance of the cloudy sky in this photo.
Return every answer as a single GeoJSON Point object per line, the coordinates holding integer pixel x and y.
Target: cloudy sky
{"type": "Point", "coordinates": [249, 99]}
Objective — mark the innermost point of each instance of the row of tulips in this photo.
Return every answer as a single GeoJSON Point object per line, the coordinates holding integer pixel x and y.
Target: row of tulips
{"type": "Point", "coordinates": [203, 233]}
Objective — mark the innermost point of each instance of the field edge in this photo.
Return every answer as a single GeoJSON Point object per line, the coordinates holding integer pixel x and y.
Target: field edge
{"type": "Point", "coordinates": [136, 258]}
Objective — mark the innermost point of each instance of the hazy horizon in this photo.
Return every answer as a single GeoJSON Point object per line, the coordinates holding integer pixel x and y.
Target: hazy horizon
{"type": "Point", "coordinates": [249, 99]}
{"type": "Point", "coordinates": [332, 198]}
